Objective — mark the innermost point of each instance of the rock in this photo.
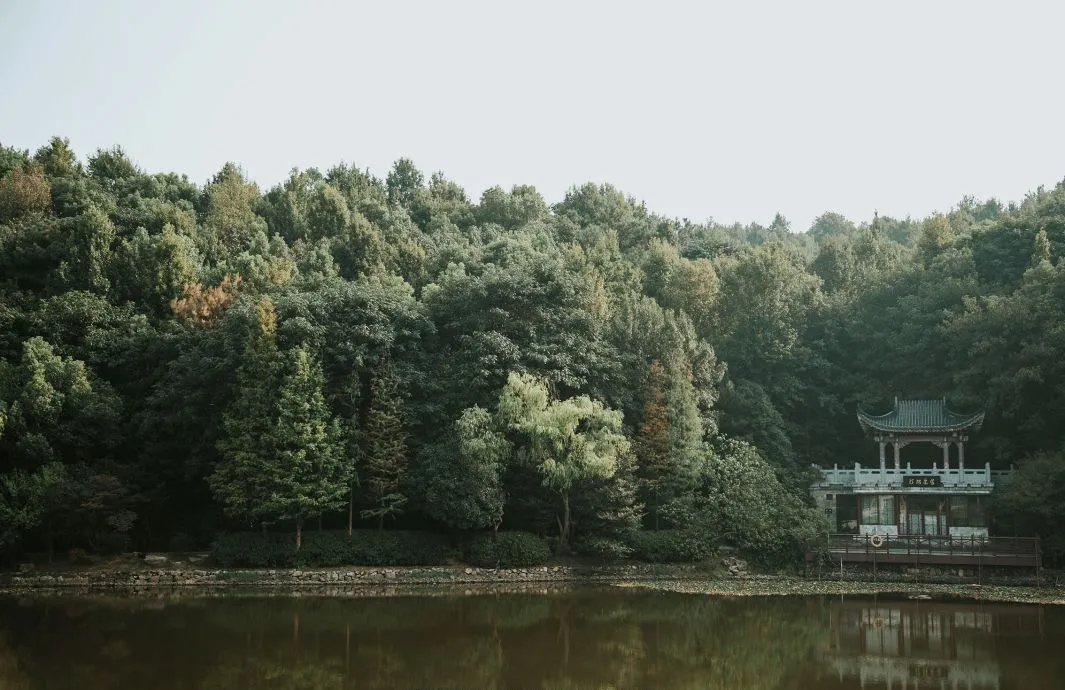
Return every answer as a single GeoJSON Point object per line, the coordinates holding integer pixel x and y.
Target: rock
{"type": "Point", "coordinates": [155, 559]}
{"type": "Point", "coordinates": [469, 571]}
{"type": "Point", "coordinates": [197, 558]}
{"type": "Point", "coordinates": [26, 567]}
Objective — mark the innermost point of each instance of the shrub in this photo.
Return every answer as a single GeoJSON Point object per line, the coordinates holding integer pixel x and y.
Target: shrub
{"type": "Point", "coordinates": [605, 548]}
{"type": "Point", "coordinates": [181, 542]}
{"type": "Point", "coordinates": [506, 550]}
{"type": "Point", "coordinates": [670, 546]}
{"type": "Point", "coordinates": [111, 543]}
{"type": "Point", "coordinates": [254, 550]}
{"type": "Point", "coordinates": [79, 556]}
{"type": "Point", "coordinates": [331, 548]}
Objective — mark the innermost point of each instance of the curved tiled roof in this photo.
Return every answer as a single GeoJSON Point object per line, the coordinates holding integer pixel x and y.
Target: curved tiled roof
{"type": "Point", "coordinates": [920, 417]}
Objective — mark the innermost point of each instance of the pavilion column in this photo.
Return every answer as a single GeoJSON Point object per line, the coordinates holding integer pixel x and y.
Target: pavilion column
{"type": "Point", "coordinates": [961, 455]}
{"type": "Point", "coordinates": [946, 455]}
{"type": "Point", "coordinates": [882, 444]}
{"type": "Point", "coordinates": [896, 445]}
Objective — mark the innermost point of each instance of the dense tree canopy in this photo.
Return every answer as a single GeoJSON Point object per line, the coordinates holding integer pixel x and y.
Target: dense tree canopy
{"type": "Point", "coordinates": [178, 360]}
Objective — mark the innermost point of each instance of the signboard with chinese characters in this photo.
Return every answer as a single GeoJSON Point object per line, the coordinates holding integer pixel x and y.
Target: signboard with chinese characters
{"type": "Point", "coordinates": [917, 480]}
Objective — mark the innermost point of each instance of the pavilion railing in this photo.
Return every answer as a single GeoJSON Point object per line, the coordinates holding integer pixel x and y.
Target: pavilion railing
{"type": "Point", "coordinates": [874, 477]}
{"type": "Point", "coordinates": [975, 546]}
{"type": "Point", "coordinates": [919, 551]}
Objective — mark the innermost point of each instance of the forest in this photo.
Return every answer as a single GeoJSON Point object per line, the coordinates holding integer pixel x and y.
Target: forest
{"type": "Point", "coordinates": [346, 354]}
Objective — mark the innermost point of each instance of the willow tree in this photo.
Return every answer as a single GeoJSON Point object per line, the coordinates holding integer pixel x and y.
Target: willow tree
{"type": "Point", "coordinates": [567, 441]}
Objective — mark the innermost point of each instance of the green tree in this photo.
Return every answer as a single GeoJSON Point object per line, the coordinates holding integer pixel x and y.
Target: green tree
{"type": "Point", "coordinates": [512, 210]}
{"type": "Point", "coordinates": [738, 501]}
{"type": "Point", "coordinates": [311, 473]}
{"type": "Point", "coordinates": [653, 444]}
{"type": "Point", "coordinates": [230, 219]}
{"type": "Point", "coordinates": [462, 480]}
{"type": "Point", "coordinates": [248, 446]}
{"type": "Point", "coordinates": [404, 183]}
{"type": "Point", "coordinates": [1032, 502]}
{"type": "Point", "coordinates": [566, 441]}
{"type": "Point", "coordinates": [90, 238]}
{"type": "Point", "coordinates": [1041, 252]}
{"type": "Point", "coordinates": [384, 453]}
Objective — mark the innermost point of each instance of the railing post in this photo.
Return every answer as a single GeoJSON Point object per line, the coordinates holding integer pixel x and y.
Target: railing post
{"type": "Point", "coordinates": [979, 564]}
{"type": "Point", "coordinates": [1038, 563]}
{"type": "Point", "coordinates": [987, 472]}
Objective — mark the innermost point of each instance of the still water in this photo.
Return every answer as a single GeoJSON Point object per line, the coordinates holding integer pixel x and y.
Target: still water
{"type": "Point", "coordinates": [592, 639]}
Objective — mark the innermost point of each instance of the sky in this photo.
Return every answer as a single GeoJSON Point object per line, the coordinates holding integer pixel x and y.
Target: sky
{"type": "Point", "coordinates": [733, 111]}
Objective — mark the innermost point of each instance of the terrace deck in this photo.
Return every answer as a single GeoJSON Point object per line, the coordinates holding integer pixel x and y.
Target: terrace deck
{"type": "Point", "coordinates": [924, 550]}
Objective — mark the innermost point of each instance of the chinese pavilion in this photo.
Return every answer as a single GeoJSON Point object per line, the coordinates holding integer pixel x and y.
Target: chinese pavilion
{"type": "Point", "coordinates": [938, 498]}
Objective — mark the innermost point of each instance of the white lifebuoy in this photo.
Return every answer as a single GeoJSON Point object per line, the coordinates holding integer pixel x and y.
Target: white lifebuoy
{"type": "Point", "coordinates": [876, 540]}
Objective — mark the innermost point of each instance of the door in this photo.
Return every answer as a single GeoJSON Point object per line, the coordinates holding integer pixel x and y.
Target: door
{"type": "Point", "coordinates": [926, 516]}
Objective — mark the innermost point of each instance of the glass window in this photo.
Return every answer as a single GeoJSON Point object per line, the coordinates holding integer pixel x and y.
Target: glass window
{"type": "Point", "coordinates": [846, 514]}
{"type": "Point", "coordinates": [887, 509]}
{"type": "Point", "coordinates": [878, 510]}
{"type": "Point", "coordinates": [968, 511]}
{"type": "Point", "coordinates": [870, 510]}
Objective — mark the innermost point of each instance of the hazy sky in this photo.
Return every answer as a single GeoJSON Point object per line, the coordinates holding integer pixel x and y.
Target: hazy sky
{"type": "Point", "coordinates": [732, 110]}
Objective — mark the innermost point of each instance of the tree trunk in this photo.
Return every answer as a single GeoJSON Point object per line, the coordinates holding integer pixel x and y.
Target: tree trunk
{"type": "Point", "coordinates": [655, 508]}
{"type": "Point", "coordinates": [319, 522]}
{"type": "Point", "coordinates": [299, 533]}
{"type": "Point", "coordinates": [351, 506]}
{"type": "Point", "coordinates": [381, 522]}
{"type": "Point", "coordinates": [563, 537]}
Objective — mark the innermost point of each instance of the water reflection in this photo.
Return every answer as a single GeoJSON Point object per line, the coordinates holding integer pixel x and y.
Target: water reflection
{"type": "Point", "coordinates": [585, 639]}
{"type": "Point", "coordinates": [922, 644]}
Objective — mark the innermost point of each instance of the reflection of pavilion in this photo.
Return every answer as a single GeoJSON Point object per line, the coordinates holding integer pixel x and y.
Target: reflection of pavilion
{"type": "Point", "coordinates": [907, 645]}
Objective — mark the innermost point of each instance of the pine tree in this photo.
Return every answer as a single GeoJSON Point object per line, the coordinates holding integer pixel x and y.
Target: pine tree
{"type": "Point", "coordinates": [282, 453]}
{"type": "Point", "coordinates": [311, 471]}
{"type": "Point", "coordinates": [385, 453]}
{"type": "Point", "coordinates": [247, 446]}
{"type": "Point", "coordinates": [653, 444]}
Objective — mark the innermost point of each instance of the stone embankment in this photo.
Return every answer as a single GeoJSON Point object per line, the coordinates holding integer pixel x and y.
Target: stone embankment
{"type": "Point", "coordinates": [350, 577]}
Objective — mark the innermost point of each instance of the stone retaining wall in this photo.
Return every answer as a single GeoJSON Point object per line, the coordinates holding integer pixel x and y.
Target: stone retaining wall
{"type": "Point", "coordinates": [356, 577]}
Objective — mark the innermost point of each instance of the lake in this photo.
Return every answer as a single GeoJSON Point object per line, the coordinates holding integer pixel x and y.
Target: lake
{"type": "Point", "coordinates": [579, 639]}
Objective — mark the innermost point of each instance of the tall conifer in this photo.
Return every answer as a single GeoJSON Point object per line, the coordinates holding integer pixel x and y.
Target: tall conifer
{"type": "Point", "coordinates": [653, 443]}
{"type": "Point", "coordinates": [311, 473]}
{"type": "Point", "coordinates": [385, 452]}
{"type": "Point", "coordinates": [247, 446]}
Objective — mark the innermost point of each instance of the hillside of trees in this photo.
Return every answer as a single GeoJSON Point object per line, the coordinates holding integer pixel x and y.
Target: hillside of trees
{"type": "Point", "coordinates": [181, 360]}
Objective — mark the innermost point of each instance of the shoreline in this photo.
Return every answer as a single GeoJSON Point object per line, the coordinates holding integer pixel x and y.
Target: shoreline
{"type": "Point", "coordinates": [351, 576]}
{"type": "Point", "coordinates": [187, 582]}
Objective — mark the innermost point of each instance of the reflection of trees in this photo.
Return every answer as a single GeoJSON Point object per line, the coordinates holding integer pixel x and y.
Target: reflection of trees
{"type": "Point", "coordinates": [582, 639]}
{"type": "Point", "coordinates": [664, 640]}
{"type": "Point", "coordinates": [11, 674]}
{"type": "Point", "coordinates": [265, 673]}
